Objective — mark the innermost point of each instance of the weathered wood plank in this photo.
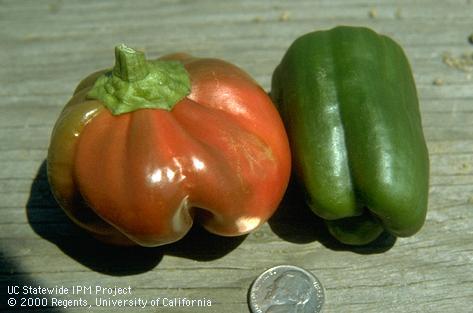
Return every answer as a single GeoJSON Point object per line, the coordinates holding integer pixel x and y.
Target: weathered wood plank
{"type": "Point", "coordinates": [48, 46]}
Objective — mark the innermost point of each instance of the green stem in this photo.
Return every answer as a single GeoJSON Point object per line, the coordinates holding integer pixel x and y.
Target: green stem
{"type": "Point", "coordinates": [130, 65]}
{"type": "Point", "coordinates": [136, 83]}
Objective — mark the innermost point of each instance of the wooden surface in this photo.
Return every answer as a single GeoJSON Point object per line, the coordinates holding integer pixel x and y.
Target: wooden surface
{"type": "Point", "coordinates": [48, 46]}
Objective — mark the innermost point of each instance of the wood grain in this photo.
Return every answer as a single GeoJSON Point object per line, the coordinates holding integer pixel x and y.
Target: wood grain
{"type": "Point", "coordinates": [48, 46]}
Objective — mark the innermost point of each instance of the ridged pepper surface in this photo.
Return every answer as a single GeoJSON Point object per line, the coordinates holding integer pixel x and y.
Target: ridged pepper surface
{"type": "Point", "coordinates": [349, 102]}
{"type": "Point", "coordinates": [142, 151]}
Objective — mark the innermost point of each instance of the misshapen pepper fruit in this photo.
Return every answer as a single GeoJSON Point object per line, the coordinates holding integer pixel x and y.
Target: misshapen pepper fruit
{"type": "Point", "coordinates": [144, 149]}
{"type": "Point", "coordinates": [349, 102]}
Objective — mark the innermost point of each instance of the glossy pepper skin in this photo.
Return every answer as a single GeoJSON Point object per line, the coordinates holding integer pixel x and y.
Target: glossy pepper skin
{"type": "Point", "coordinates": [349, 102]}
{"type": "Point", "coordinates": [218, 156]}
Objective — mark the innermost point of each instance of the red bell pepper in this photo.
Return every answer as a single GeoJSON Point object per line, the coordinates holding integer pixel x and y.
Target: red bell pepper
{"type": "Point", "coordinates": [144, 149]}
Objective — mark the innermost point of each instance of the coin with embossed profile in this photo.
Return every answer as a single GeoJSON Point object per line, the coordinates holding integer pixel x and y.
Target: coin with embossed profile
{"type": "Point", "coordinates": [288, 289]}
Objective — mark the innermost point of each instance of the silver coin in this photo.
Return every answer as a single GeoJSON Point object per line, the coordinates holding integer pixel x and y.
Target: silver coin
{"type": "Point", "coordinates": [288, 289]}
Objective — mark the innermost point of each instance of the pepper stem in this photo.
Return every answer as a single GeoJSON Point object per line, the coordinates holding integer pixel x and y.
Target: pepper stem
{"type": "Point", "coordinates": [130, 65]}
{"type": "Point", "coordinates": [135, 83]}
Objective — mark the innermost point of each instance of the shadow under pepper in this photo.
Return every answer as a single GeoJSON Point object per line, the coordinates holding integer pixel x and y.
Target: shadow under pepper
{"type": "Point", "coordinates": [49, 221]}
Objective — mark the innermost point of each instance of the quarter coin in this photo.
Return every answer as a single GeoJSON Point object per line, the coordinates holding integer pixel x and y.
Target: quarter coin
{"type": "Point", "coordinates": [288, 289]}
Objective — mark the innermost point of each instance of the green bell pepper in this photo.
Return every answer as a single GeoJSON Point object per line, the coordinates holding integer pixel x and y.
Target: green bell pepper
{"type": "Point", "coordinates": [349, 103]}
